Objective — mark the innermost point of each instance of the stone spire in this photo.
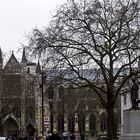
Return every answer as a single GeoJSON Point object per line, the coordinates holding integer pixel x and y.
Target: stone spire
{"type": "Point", "coordinates": [38, 68]}
{"type": "Point", "coordinates": [1, 60]}
{"type": "Point", "coordinates": [24, 60]}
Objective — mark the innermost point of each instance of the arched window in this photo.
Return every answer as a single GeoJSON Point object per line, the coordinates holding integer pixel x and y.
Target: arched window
{"type": "Point", "coordinates": [92, 122]}
{"type": "Point", "coordinates": [71, 124]}
{"type": "Point", "coordinates": [103, 122]}
{"type": "Point", "coordinates": [11, 127]}
{"type": "Point", "coordinates": [60, 121]}
{"type": "Point", "coordinates": [81, 122]}
{"type": "Point", "coordinates": [28, 70]}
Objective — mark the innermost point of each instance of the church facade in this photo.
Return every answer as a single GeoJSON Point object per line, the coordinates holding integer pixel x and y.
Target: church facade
{"type": "Point", "coordinates": [19, 97]}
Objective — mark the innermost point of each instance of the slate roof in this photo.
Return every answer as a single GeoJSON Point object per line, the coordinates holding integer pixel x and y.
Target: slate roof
{"type": "Point", "coordinates": [69, 74]}
{"type": "Point", "coordinates": [90, 74]}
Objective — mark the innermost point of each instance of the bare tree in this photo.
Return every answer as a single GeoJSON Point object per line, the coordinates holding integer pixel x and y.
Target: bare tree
{"type": "Point", "coordinates": [102, 36]}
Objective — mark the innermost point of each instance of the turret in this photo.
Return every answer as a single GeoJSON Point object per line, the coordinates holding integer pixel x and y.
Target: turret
{"type": "Point", "coordinates": [38, 68]}
{"type": "Point", "coordinates": [24, 60]}
{"type": "Point", "coordinates": [1, 60]}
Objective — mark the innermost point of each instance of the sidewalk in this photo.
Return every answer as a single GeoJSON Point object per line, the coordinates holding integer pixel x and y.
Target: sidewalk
{"type": "Point", "coordinates": [92, 138]}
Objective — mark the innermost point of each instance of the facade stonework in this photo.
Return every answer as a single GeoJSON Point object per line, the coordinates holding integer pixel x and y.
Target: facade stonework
{"type": "Point", "coordinates": [19, 94]}
{"type": "Point", "coordinates": [65, 107]}
{"type": "Point", "coordinates": [77, 110]}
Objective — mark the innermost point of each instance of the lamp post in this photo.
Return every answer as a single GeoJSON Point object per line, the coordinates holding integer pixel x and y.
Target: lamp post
{"type": "Point", "coordinates": [63, 112]}
{"type": "Point", "coordinates": [42, 101]}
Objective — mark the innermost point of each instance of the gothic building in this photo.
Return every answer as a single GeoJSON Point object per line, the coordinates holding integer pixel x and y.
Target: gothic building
{"type": "Point", "coordinates": [65, 107]}
{"type": "Point", "coordinates": [76, 109]}
{"type": "Point", "coordinates": [19, 97]}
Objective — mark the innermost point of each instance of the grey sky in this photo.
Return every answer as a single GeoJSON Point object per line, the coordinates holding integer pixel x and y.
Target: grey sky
{"type": "Point", "coordinates": [19, 17]}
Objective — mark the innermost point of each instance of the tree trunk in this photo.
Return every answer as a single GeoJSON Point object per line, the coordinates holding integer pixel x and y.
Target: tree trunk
{"type": "Point", "coordinates": [111, 124]}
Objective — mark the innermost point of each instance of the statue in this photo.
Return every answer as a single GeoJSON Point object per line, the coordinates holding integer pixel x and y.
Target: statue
{"type": "Point", "coordinates": [134, 94]}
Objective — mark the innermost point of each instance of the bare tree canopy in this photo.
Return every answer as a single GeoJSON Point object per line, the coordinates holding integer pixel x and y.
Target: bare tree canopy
{"type": "Point", "coordinates": [100, 35]}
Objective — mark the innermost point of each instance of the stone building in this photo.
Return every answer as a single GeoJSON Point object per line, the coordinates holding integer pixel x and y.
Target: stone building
{"type": "Point", "coordinates": [19, 97]}
{"type": "Point", "coordinates": [75, 109]}
{"type": "Point", "coordinates": [65, 107]}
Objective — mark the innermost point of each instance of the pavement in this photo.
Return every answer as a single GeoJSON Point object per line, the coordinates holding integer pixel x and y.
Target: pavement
{"type": "Point", "coordinates": [91, 138]}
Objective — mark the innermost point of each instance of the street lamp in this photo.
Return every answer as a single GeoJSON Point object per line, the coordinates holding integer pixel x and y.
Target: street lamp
{"type": "Point", "coordinates": [42, 100]}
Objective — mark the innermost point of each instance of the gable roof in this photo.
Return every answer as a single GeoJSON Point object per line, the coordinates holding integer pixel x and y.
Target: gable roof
{"type": "Point", "coordinates": [12, 65]}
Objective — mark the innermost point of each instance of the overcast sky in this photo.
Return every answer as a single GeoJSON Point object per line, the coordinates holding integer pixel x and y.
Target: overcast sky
{"type": "Point", "coordinates": [19, 17]}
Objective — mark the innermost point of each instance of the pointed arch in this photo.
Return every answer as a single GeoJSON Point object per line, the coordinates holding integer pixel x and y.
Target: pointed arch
{"type": "Point", "coordinates": [60, 122]}
{"type": "Point", "coordinates": [11, 127]}
{"type": "Point", "coordinates": [10, 116]}
{"type": "Point", "coordinates": [81, 122]}
{"type": "Point", "coordinates": [103, 120]}
{"type": "Point", "coordinates": [71, 120]}
{"type": "Point", "coordinates": [92, 122]}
